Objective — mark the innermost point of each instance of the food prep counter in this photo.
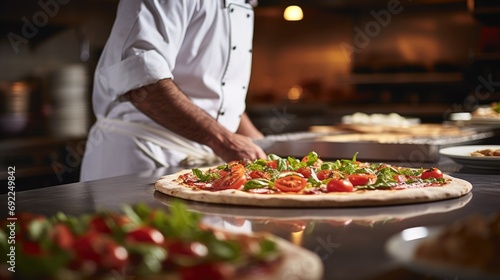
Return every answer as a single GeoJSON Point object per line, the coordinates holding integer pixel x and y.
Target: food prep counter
{"type": "Point", "coordinates": [344, 238]}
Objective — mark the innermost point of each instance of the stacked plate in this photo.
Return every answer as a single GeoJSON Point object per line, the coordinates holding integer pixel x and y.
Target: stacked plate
{"type": "Point", "coordinates": [70, 114]}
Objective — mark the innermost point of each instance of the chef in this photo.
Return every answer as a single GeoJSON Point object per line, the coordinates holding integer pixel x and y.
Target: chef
{"type": "Point", "coordinates": [170, 88]}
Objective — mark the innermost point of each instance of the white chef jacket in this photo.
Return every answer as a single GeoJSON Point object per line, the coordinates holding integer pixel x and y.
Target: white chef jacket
{"type": "Point", "coordinates": [205, 46]}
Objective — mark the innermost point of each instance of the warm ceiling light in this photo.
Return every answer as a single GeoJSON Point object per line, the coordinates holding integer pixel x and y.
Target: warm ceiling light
{"type": "Point", "coordinates": [293, 13]}
{"type": "Point", "coordinates": [295, 93]}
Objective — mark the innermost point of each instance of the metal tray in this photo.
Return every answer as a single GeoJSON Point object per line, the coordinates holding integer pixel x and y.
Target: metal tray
{"type": "Point", "coordinates": [414, 149]}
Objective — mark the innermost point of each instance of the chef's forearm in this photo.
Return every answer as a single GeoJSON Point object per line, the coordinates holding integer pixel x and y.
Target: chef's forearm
{"type": "Point", "coordinates": [166, 104]}
{"type": "Point", "coordinates": [247, 128]}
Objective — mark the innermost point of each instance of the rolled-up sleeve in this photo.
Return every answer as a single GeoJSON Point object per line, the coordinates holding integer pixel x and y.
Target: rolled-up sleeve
{"type": "Point", "coordinates": [135, 71]}
{"type": "Point", "coordinates": [144, 44]}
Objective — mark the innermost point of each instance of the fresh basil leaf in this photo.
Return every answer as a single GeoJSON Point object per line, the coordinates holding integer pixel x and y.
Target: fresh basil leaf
{"type": "Point", "coordinates": [273, 157]}
{"type": "Point", "coordinates": [312, 158]}
{"type": "Point", "coordinates": [152, 257]}
{"type": "Point", "coordinates": [327, 165]}
{"type": "Point", "coordinates": [268, 249]}
{"type": "Point", "coordinates": [183, 223]}
{"type": "Point", "coordinates": [411, 172]}
{"type": "Point", "coordinates": [200, 175]}
{"type": "Point", "coordinates": [223, 249]}
{"type": "Point", "coordinates": [313, 179]}
{"type": "Point", "coordinates": [257, 184]}
{"type": "Point", "coordinates": [282, 164]}
{"type": "Point", "coordinates": [296, 163]}
{"type": "Point", "coordinates": [258, 164]}
{"type": "Point", "coordinates": [364, 171]}
{"type": "Point", "coordinates": [354, 157]}
{"type": "Point", "coordinates": [348, 167]}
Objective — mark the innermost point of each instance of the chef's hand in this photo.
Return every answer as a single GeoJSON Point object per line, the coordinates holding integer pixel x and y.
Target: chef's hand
{"type": "Point", "coordinates": [238, 147]}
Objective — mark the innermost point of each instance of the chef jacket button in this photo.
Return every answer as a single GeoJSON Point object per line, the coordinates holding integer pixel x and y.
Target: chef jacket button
{"type": "Point", "coordinates": [248, 15]}
{"type": "Point", "coordinates": [223, 83]}
{"type": "Point", "coordinates": [234, 47]}
{"type": "Point", "coordinates": [244, 87]}
{"type": "Point", "coordinates": [250, 50]}
{"type": "Point", "coordinates": [222, 112]}
{"type": "Point", "coordinates": [232, 10]}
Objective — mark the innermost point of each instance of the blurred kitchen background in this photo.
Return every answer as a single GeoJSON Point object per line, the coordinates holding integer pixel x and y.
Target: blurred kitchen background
{"type": "Point", "coordinates": [418, 58]}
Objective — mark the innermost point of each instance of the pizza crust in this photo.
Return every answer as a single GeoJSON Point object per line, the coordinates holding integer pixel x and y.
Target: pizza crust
{"type": "Point", "coordinates": [297, 263]}
{"type": "Point", "coordinates": [457, 187]}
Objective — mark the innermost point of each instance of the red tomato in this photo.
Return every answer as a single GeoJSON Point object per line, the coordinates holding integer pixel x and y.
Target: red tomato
{"type": "Point", "coordinates": [223, 173]}
{"type": "Point", "coordinates": [62, 236]}
{"type": "Point", "coordinates": [272, 164]}
{"type": "Point", "coordinates": [99, 224]}
{"type": "Point", "coordinates": [339, 185]}
{"type": "Point", "coordinates": [292, 183]}
{"type": "Point", "coordinates": [102, 250]}
{"type": "Point", "coordinates": [25, 219]}
{"type": "Point", "coordinates": [146, 235]}
{"type": "Point", "coordinates": [234, 180]}
{"type": "Point", "coordinates": [325, 174]}
{"type": "Point", "coordinates": [305, 171]}
{"type": "Point", "coordinates": [362, 179]}
{"type": "Point", "coordinates": [31, 248]}
{"type": "Point", "coordinates": [257, 174]}
{"type": "Point", "coordinates": [432, 173]}
{"type": "Point", "coordinates": [190, 249]}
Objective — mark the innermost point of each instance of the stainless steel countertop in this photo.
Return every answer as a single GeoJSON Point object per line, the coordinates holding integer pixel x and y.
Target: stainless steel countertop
{"type": "Point", "coordinates": [350, 241]}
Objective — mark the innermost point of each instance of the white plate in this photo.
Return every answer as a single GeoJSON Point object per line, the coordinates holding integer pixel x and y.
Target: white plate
{"type": "Point", "coordinates": [402, 248]}
{"type": "Point", "coordinates": [461, 154]}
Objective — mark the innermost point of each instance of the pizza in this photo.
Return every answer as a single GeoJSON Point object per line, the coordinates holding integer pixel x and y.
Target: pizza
{"type": "Point", "coordinates": [311, 182]}
{"type": "Point", "coordinates": [486, 153]}
{"type": "Point", "coordinates": [490, 112]}
{"type": "Point", "coordinates": [471, 244]}
{"type": "Point", "coordinates": [145, 243]}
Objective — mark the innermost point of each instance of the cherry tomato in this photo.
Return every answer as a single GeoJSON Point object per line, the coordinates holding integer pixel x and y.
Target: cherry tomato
{"type": "Point", "coordinates": [325, 174]}
{"type": "Point", "coordinates": [31, 248]}
{"type": "Point", "coordinates": [189, 249]}
{"type": "Point", "coordinates": [99, 224]}
{"type": "Point", "coordinates": [62, 236]}
{"type": "Point", "coordinates": [292, 183]}
{"type": "Point", "coordinates": [100, 249]}
{"type": "Point", "coordinates": [272, 164]}
{"type": "Point", "coordinates": [339, 185]}
{"type": "Point", "coordinates": [146, 235]}
{"type": "Point", "coordinates": [234, 180]}
{"type": "Point", "coordinates": [257, 174]}
{"type": "Point", "coordinates": [432, 173]}
{"type": "Point", "coordinates": [362, 179]}
{"type": "Point", "coordinates": [305, 171]}
{"type": "Point", "coordinates": [223, 173]}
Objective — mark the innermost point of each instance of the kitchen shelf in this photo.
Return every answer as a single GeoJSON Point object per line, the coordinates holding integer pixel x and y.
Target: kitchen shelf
{"type": "Point", "coordinates": [41, 161]}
